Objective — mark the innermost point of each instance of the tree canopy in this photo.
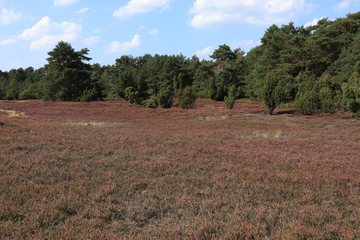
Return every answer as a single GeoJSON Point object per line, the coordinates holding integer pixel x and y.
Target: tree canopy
{"type": "Point", "coordinates": [68, 75]}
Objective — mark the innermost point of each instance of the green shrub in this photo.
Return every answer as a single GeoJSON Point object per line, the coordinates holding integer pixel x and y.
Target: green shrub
{"type": "Point", "coordinates": [88, 95]}
{"type": "Point", "coordinates": [276, 89]}
{"type": "Point", "coordinates": [356, 115]}
{"type": "Point", "coordinates": [326, 96]}
{"type": "Point", "coordinates": [328, 106]}
{"type": "Point", "coordinates": [211, 88]}
{"type": "Point", "coordinates": [351, 94]}
{"type": "Point", "coordinates": [165, 98]}
{"type": "Point", "coordinates": [230, 99]}
{"type": "Point", "coordinates": [202, 94]}
{"type": "Point", "coordinates": [187, 97]}
{"type": "Point", "coordinates": [28, 94]}
{"type": "Point", "coordinates": [131, 94]}
{"type": "Point", "coordinates": [329, 93]}
{"type": "Point", "coordinates": [229, 102]}
{"type": "Point", "coordinates": [152, 102]}
{"type": "Point", "coordinates": [286, 106]}
{"type": "Point", "coordinates": [220, 92]}
{"type": "Point", "coordinates": [353, 106]}
{"type": "Point", "coordinates": [235, 92]}
{"type": "Point", "coordinates": [307, 104]}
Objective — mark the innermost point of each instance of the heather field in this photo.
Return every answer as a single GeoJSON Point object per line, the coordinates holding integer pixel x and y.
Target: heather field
{"type": "Point", "coordinates": [107, 170]}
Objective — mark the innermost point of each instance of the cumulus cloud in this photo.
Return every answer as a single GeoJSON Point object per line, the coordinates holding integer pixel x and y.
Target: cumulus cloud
{"type": "Point", "coordinates": [222, 13]}
{"type": "Point", "coordinates": [313, 22]}
{"type": "Point", "coordinates": [46, 34]}
{"type": "Point", "coordinates": [205, 52]}
{"type": "Point", "coordinates": [141, 6]}
{"type": "Point", "coordinates": [7, 17]}
{"type": "Point", "coordinates": [8, 41]}
{"type": "Point", "coordinates": [342, 6]}
{"type": "Point", "coordinates": [117, 47]}
{"type": "Point", "coordinates": [154, 32]}
{"type": "Point", "coordinates": [64, 2]}
{"type": "Point", "coordinates": [82, 10]}
{"type": "Point", "coordinates": [167, 7]}
{"type": "Point", "coordinates": [245, 44]}
{"type": "Point", "coordinates": [91, 41]}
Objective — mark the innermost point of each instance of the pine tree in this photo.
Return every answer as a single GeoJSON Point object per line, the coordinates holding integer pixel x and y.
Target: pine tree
{"type": "Point", "coordinates": [69, 76]}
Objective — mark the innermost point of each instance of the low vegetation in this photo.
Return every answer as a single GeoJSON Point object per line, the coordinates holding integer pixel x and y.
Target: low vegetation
{"type": "Point", "coordinates": [108, 170]}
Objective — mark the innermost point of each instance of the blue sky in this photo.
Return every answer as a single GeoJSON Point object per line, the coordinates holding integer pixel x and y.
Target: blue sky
{"type": "Point", "coordinates": [109, 29]}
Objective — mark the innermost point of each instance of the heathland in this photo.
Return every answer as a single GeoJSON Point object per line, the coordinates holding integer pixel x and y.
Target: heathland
{"type": "Point", "coordinates": [108, 170]}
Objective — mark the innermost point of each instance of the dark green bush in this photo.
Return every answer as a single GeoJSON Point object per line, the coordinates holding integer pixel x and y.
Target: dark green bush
{"type": "Point", "coordinates": [351, 94]}
{"type": "Point", "coordinates": [356, 115]}
{"type": "Point", "coordinates": [353, 106]}
{"type": "Point", "coordinates": [220, 92]}
{"type": "Point", "coordinates": [229, 102]}
{"type": "Point", "coordinates": [230, 99]}
{"type": "Point", "coordinates": [276, 89]}
{"type": "Point", "coordinates": [308, 104]}
{"type": "Point", "coordinates": [152, 102]}
{"type": "Point", "coordinates": [131, 94]}
{"type": "Point", "coordinates": [165, 98]}
{"type": "Point", "coordinates": [187, 97]}
{"type": "Point", "coordinates": [328, 106]}
{"type": "Point", "coordinates": [211, 88]}
{"type": "Point", "coordinates": [88, 95]}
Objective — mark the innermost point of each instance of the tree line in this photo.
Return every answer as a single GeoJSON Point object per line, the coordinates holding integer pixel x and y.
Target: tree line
{"type": "Point", "coordinates": [312, 69]}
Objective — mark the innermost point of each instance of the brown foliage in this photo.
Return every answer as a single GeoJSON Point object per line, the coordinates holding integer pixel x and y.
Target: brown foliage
{"type": "Point", "coordinates": [107, 170]}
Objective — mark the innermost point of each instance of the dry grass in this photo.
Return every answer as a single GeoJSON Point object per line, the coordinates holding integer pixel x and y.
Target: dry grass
{"type": "Point", "coordinates": [173, 174]}
{"type": "Point", "coordinates": [213, 118]}
{"type": "Point", "coordinates": [11, 113]}
{"type": "Point", "coordinates": [85, 123]}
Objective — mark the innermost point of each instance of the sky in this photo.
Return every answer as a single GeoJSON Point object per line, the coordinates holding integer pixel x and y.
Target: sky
{"type": "Point", "coordinates": [112, 28]}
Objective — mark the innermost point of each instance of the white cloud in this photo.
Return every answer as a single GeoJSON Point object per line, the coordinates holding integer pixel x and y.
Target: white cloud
{"type": "Point", "coordinates": [91, 41]}
{"type": "Point", "coordinates": [117, 47]}
{"type": "Point", "coordinates": [82, 10]}
{"type": "Point", "coordinates": [205, 52]}
{"type": "Point", "coordinates": [313, 22]}
{"type": "Point", "coordinates": [46, 34]}
{"type": "Point", "coordinates": [64, 2]}
{"type": "Point", "coordinates": [154, 32]}
{"type": "Point", "coordinates": [8, 41]}
{"type": "Point", "coordinates": [167, 7]}
{"type": "Point", "coordinates": [7, 17]}
{"type": "Point", "coordinates": [342, 6]}
{"type": "Point", "coordinates": [223, 13]}
{"type": "Point", "coordinates": [141, 27]}
{"type": "Point", "coordinates": [141, 6]}
{"type": "Point", "coordinates": [245, 44]}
